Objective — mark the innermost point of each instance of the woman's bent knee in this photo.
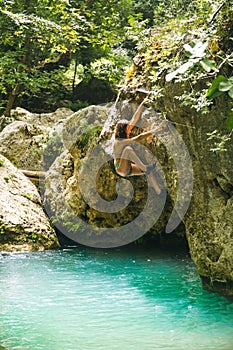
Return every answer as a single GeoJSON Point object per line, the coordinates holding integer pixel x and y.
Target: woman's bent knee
{"type": "Point", "coordinates": [128, 149]}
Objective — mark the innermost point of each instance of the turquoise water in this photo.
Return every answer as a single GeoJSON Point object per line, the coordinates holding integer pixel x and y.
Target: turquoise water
{"type": "Point", "coordinates": [109, 299]}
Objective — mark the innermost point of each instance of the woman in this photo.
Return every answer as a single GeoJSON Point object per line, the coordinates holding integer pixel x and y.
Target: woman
{"type": "Point", "coordinates": [126, 161]}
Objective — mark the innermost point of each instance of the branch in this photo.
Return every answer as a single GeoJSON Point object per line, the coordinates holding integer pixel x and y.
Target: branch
{"type": "Point", "coordinates": [216, 12]}
{"type": "Point", "coordinates": [225, 60]}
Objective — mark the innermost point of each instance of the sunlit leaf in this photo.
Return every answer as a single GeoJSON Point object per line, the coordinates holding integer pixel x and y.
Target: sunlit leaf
{"type": "Point", "coordinates": [188, 49]}
{"type": "Point", "coordinates": [229, 122]}
{"type": "Point", "coordinates": [182, 69]}
{"type": "Point", "coordinates": [230, 92]}
{"type": "Point", "coordinates": [198, 50]}
{"type": "Point", "coordinates": [225, 85]}
{"type": "Point", "coordinates": [171, 75]}
{"type": "Point", "coordinates": [208, 65]}
{"type": "Point", "coordinates": [213, 90]}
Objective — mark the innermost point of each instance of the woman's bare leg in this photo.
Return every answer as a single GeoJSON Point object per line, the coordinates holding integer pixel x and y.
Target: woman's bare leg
{"type": "Point", "coordinates": [154, 183]}
{"type": "Point", "coordinates": [138, 168]}
{"type": "Point", "coordinates": [128, 156]}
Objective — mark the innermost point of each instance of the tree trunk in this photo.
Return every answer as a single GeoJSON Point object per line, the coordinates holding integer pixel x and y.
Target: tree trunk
{"type": "Point", "coordinates": [33, 174]}
{"type": "Point", "coordinates": [29, 7]}
{"type": "Point", "coordinates": [74, 76]}
{"type": "Point", "coordinates": [10, 103]}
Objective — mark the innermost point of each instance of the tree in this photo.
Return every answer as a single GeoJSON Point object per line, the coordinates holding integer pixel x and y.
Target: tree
{"type": "Point", "coordinates": [35, 33]}
{"type": "Point", "coordinates": [27, 39]}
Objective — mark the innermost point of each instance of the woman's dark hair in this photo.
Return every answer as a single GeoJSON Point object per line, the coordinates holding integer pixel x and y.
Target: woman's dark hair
{"type": "Point", "coordinates": [120, 131]}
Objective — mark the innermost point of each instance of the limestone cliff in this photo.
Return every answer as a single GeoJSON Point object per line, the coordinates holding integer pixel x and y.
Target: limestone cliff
{"type": "Point", "coordinates": [209, 221]}
{"type": "Point", "coordinates": [171, 65]}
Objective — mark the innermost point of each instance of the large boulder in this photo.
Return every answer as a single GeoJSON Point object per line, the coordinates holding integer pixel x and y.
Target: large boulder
{"type": "Point", "coordinates": [88, 201]}
{"type": "Point", "coordinates": [44, 119]}
{"type": "Point", "coordinates": [23, 223]}
{"type": "Point", "coordinates": [31, 141]}
{"type": "Point", "coordinates": [23, 144]}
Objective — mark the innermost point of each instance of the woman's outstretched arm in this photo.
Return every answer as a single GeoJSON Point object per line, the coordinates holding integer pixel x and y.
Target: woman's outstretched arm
{"type": "Point", "coordinates": [145, 134]}
{"type": "Point", "coordinates": [136, 116]}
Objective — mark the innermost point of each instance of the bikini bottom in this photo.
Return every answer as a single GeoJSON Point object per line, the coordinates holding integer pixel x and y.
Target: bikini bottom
{"type": "Point", "coordinates": [129, 172]}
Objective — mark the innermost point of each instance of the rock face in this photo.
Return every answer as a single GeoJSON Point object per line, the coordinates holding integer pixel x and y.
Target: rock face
{"type": "Point", "coordinates": [209, 220]}
{"type": "Point", "coordinates": [23, 223]}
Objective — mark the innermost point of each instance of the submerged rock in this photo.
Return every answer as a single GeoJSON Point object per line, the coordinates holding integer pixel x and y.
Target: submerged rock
{"type": "Point", "coordinates": [23, 223]}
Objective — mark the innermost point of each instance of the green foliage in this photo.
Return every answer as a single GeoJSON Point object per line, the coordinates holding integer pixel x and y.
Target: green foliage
{"type": "Point", "coordinates": [37, 32]}
{"type": "Point", "coordinates": [196, 100]}
{"type": "Point", "coordinates": [33, 236]}
{"type": "Point", "coordinates": [2, 231]}
{"type": "Point", "coordinates": [220, 85]}
{"type": "Point", "coordinates": [180, 9]}
{"type": "Point", "coordinates": [1, 162]}
{"type": "Point", "coordinates": [88, 136]}
{"type": "Point", "coordinates": [191, 46]}
{"type": "Point", "coordinates": [227, 86]}
{"type": "Point", "coordinates": [111, 68]}
{"type": "Point", "coordinates": [229, 122]}
{"type": "Point", "coordinates": [219, 141]}
{"type": "Point", "coordinates": [101, 38]}
{"type": "Point", "coordinates": [195, 52]}
{"type": "Point", "coordinates": [32, 34]}
{"type": "Point", "coordinates": [213, 90]}
{"type": "Point", "coordinates": [27, 195]}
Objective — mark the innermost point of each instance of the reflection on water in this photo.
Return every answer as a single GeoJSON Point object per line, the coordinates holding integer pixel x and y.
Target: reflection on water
{"type": "Point", "coordinates": [109, 299]}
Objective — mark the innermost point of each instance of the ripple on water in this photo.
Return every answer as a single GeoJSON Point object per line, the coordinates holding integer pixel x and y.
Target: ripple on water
{"type": "Point", "coordinates": [109, 299]}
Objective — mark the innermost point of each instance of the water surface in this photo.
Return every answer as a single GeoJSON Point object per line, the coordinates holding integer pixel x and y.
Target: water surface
{"type": "Point", "coordinates": [109, 299]}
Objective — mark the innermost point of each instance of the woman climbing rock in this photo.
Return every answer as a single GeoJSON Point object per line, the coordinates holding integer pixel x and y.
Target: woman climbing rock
{"type": "Point", "coordinates": [126, 161]}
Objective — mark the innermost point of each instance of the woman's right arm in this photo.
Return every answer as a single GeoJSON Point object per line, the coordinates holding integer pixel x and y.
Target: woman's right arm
{"type": "Point", "coordinates": [145, 134]}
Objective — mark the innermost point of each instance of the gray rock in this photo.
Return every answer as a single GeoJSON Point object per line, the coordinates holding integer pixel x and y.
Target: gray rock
{"type": "Point", "coordinates": [209, 220]}
{"type": "Point", "coordinates": [32, 141]}
{"type": "Point", "coordinates": [23, 144]}
{"type": "Point", "coordinates": [23, 223]}
{"type": "Point", "coordinates": [43, 119]}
